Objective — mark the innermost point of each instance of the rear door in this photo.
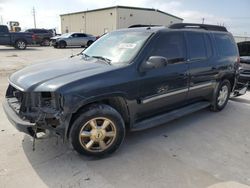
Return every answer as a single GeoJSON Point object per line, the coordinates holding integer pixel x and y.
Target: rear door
{"type": "Point", "coordinates": [200, 57]}
{"type": "Point", "coordinates": [83, 39]}
{"type": "Point", "coordinates": [164, 88]}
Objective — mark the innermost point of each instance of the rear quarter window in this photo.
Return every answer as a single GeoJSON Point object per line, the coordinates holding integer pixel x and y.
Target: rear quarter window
{"type": "Point", "coordinates": [225, 45]}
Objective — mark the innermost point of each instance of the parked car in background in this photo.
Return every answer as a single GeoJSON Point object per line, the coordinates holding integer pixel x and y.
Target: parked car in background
{"type": "Point", "coordinates": [130, 79]}
{"type": "Point", "coordinates": [244, 50]}
{"type": "Point", "coordinates": [41, 36]}
{"type": "Point", "coordinates": [244, 69]}
{"type": "Point", "coordinates": [19, 40]}
{"type": "Point", "coordinates": [73, 39]}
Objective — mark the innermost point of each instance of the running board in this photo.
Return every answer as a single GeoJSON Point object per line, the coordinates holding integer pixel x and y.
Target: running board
{"type": "Point", "coordinates": [164, 118]}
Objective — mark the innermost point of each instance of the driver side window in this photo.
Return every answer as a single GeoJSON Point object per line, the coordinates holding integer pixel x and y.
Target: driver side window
{"type": "Point", "coordinates": [171, 46]}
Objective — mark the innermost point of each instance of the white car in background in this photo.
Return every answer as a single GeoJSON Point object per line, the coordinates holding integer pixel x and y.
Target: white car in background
{"type": "Point", "coordinates": [73, 39]}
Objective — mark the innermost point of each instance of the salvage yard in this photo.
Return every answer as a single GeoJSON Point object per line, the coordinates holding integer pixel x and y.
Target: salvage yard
{"type": "Point", "coordinates": [204, 149]}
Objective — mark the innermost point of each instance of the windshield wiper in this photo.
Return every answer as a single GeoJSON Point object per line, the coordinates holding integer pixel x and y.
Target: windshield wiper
{"type": "Point", "coordinates": [81, 53]}
{"type": "Point", "coordinates": [106, 60]}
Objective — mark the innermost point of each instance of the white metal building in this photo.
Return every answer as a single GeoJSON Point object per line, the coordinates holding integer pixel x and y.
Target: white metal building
{"type": "Point", "coordinates": [100, 21]}
{"type": "Point", "coordinates": [241, 38]}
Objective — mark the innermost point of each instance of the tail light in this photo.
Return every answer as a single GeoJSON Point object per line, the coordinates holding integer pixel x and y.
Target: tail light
{"type": "Point", "coordinates": [238, 60]}
{"type": "Point", "coordinates": [33, 36]}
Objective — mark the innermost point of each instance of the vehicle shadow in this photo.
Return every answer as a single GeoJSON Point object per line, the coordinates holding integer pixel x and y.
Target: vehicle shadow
{"type": "Point", "coordinates": [240, 100]}
{"type": "Point", "coordinates": [71, 47]}
{"type": "Point", "coordinates": [59, 166]}
{"type": "Point", "coordinates": [16, 50]}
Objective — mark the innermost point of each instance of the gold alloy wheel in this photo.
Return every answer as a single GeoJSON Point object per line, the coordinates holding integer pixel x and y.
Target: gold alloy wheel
{"type": "Point", "coordinates": [97, 134]}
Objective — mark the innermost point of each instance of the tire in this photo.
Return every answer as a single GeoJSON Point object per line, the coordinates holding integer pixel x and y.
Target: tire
{"type": "Point", "coordinates": [97, 131]}
{"type": "Point", "coordinates": [62, 44]}
{"type": "Point", "coordinates": [89, 43]}
{"type": "Point", "coordinates": [221, 97]}
{"type": "Point", "coordinates": [45, 42]}
{"type": "Point", "coordinates": [21, 44]}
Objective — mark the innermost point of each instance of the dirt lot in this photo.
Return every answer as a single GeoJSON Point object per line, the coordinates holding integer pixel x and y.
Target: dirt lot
{"type": "Point", "coordinates": [203, 149]}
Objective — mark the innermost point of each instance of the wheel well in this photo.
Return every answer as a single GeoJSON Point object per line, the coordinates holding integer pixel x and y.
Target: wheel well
{"type": "Point", "coordinates": [46, 38]}
{"type": "Point", "coordinates": [21, 40]}
{"type": "Point", "coordinates": [118, 103]}
{"type": "Point", "coordinates": [90, 41]}
{"type": "Point", "coordinates": [62, 41]}
{"type": "Point", "coordinates": [231, 79]}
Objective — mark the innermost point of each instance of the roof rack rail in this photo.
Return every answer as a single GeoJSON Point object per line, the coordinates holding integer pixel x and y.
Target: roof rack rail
{"type": "Point", "coordinates": [143, 25]}
{"type": "Point", "coordinates": [198, 26]}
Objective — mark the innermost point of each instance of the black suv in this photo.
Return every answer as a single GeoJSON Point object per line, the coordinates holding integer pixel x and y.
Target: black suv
{"type": "Point", "coordinates": [41, 36]}
{"type": "Point", "coordinates": [130, 79]}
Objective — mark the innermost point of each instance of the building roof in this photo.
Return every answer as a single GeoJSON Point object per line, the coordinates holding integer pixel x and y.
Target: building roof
{"type": "Point", "coordinates": [125, 7]}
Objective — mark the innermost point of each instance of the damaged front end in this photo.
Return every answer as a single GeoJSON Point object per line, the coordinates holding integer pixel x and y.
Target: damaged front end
{"type": "Point", "coordinates": [40, 110]}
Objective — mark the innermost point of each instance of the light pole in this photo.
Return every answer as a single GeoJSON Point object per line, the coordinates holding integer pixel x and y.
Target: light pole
{"type": "Point", "coordinates": [34, 16]}
{"type": "Point", "coordinates": [203, 20]}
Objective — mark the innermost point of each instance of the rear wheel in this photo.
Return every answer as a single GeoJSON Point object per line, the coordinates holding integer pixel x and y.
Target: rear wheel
{"type": "Point", "coordinates": [45, 42]}
{"type": "Point", "coordinates": [89, 43]}
{"type": "Point", "coordinates": [98, 131]}
{"type": "Point", "coordinates": [221, 96]}
{"type": "Point", "coordinates": [21, 44]}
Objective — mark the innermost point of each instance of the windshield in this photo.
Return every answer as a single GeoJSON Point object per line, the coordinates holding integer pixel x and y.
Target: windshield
{"type": "Point", "coordinates": [118, 47]}
{"type": "Point", "coordinates": [65, 35]}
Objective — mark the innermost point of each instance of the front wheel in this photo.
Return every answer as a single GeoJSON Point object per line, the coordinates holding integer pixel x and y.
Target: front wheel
{"type": "Point", "coordinates": [20, 45]}
{"type": "Point", "coordinates": [222, 94]}
{"type": "Point", "coordinates": [62, 44]}
{"type": "Point", "coordinates": [97, 131]}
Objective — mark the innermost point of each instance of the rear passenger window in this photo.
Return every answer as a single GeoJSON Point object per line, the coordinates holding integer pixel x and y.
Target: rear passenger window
{"type": "Point", "coordinates": [225, 45]}
{"type": "Point", "coordinates": [208, 45]}
{"type": "Point", "coordinates": [171, 46]}
{"type": "Point", "coordinates": [81, 35]}
{"type": "Point", "coordinates": [196, 46]}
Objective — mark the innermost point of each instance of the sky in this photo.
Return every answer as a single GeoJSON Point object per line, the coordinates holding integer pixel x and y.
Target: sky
{"type": "Point", "coordinates": [234, 14]}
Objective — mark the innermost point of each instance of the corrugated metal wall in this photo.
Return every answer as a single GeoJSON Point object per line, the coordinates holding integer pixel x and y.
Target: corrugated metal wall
{"type": "Point", "coordinates": [100, 21]}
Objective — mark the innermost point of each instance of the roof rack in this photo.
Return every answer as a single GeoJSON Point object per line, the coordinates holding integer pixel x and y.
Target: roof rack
{"type": "Point", "coordinates": [143, 25]}
{"type": "Point", "coordinates": [198, 26]}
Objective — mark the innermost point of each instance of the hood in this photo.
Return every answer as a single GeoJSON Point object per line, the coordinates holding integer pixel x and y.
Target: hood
{"type": "Point", "coordinates": [56, 37]}
{"type": "Point", "coordinates": [52, 75]}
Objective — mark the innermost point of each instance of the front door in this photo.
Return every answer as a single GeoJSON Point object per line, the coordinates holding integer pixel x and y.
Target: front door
{"type": "Point", "coordinates": [162, 89]}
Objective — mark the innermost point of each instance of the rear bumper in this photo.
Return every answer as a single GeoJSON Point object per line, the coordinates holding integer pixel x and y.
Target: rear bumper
{"type": "Point", "coordinates": [20, 124]}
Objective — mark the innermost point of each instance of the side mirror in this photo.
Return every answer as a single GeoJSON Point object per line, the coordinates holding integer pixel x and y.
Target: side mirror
{"type": "Point", "coordinates": [154, 62]}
